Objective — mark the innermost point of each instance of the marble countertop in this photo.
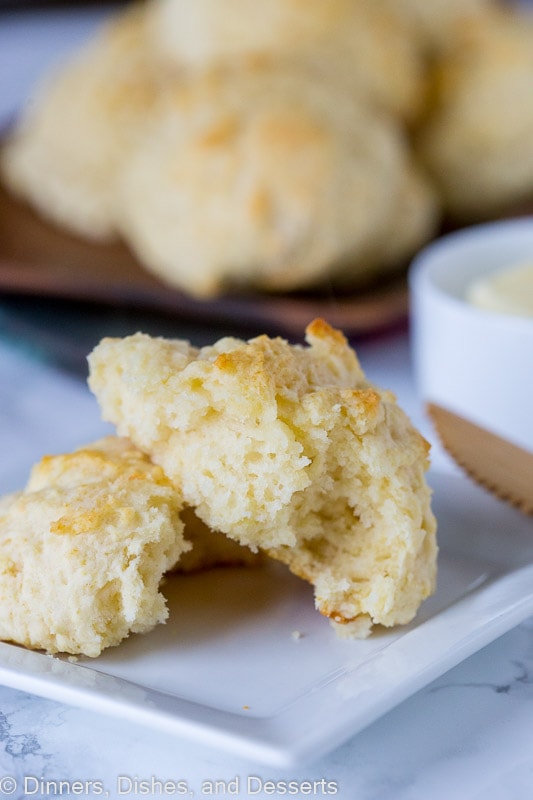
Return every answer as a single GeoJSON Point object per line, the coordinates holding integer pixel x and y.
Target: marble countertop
{"type": "Point", "coordinates": [467, 735]}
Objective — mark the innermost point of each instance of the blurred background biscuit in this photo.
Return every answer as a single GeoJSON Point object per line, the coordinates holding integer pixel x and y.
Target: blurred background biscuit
{"type": "Point", "coordinates": [477, 140]}
{"type": "Point", "coordinates": [82, 120]}
{"type": "Point", "coordinates": [263, 178]}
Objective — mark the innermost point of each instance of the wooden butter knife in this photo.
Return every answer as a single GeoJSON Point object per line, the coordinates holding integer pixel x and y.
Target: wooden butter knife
{"type": "Point", "coordinates": [502, 467]}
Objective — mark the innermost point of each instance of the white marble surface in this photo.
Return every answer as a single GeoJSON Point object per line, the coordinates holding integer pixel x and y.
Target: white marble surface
{"type": "Point", "coordinates": [467, 736]}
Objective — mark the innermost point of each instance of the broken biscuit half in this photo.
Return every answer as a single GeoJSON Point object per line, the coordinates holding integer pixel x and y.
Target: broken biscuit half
{"type": "Point", "coordinates": [287, 449]}
{"type": "Point", "coordinates": [83, 549]}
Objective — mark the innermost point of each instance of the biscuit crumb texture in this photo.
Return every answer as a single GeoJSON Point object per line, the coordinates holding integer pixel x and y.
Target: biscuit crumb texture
{"type": "Point", "coordinates": [84, 547]}
{"type": "Point", "coordinates": [287, 449]}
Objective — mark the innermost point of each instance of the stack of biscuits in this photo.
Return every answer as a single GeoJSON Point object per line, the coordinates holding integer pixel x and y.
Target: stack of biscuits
{"type": "Point", "coordinates": [280, 146]}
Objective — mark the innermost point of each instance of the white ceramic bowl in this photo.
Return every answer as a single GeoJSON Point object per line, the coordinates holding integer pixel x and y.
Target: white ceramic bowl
{"type": "Point", "coordinates": [471, 361]}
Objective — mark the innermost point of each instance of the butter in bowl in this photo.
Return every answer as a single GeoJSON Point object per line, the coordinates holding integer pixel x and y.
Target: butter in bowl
{"type": "Point", "coordinates": [507, 291]}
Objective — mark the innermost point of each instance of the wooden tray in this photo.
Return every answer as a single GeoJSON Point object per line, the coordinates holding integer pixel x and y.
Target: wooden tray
{"type": "Point", "coordinates": [39, 259]}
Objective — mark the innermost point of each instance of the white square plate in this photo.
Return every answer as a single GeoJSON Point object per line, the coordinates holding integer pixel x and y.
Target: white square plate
{"type": "Point", "coordinates": [245, 663]}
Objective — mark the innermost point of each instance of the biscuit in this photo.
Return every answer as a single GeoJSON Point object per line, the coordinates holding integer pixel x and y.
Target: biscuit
{"type": "Point", "coordinates": [477, 143]}
{"type": "Point", "coordinates": [84, 547]}
{"type": "Point", "coordinates": [265, 179]}
{"type": "Point", "coordinates": [64, 152]}
{"type": "Point", "coordinates": [288, 449]}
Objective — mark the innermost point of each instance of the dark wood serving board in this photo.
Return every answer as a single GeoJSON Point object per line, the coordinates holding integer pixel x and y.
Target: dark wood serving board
{"type": "Point", "coordinates": [39, 259]}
